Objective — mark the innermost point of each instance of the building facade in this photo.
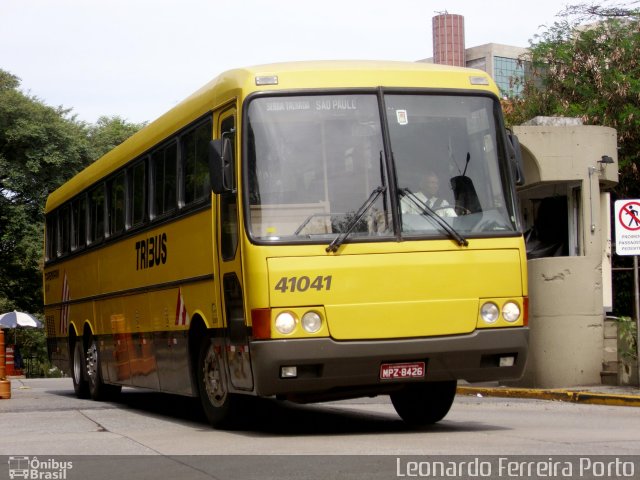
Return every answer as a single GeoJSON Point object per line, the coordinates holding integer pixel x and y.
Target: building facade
{"type": "Point", "coordinates": [504, 63]}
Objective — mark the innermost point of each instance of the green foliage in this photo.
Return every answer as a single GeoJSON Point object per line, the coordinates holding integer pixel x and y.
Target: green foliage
{"type": "Point", "coordinates": [108, 133]}
{"type": "Point", "coordinates": [588, 71]}
{"type": "Point", "coordinates": [33, 348]}
{"type": "Point", "coordinates": [8, 81]}
{"type": "Point", "coordinates": [40, 148]}
{"type": "Point", "coordinates": [627, 338]}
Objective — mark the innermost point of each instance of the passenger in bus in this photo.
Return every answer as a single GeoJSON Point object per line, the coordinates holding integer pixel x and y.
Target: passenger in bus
{"type": "Point", "coordinates": [429, 194]}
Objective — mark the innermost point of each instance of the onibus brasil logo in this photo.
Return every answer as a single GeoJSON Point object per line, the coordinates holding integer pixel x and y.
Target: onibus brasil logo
{"type": "Point", "coordinates": [32, 468]}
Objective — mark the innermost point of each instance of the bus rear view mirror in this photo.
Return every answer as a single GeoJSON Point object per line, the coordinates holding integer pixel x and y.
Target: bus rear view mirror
{"type": "Point", "coordinates": [515, 154]}
{"type": "Point", "coordinates": [221, 165]}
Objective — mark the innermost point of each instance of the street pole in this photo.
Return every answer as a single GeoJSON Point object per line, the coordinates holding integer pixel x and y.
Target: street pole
{"type": "Point", "coordinates": [5, 385]}
{"type": "Point", "coordinates": [636, 308]}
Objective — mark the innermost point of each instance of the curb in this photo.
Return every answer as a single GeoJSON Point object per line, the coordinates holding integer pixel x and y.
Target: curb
{"type": "Point", "coordinates": [560, 395]}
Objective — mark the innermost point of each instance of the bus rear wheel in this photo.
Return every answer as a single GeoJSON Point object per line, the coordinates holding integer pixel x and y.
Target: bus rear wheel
{"type": "Point", "coordinates": [218, 404]}
{"type": "Point", "coordinates": [78, 370]}
{"type": "Point", "coordinates": [420, 404]}
{"type": "Point", "coordinates": [98, 390]}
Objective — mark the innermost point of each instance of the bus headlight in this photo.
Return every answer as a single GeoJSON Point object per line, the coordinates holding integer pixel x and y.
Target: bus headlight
{"type": "Point", "coordinates": [311, 322]}
{"type": "Point", "coordinates": [286, 323]}
{"type": "Point", "coordinates": [489, 312]}
{"type": "Point", "coordinates": [511, 312]}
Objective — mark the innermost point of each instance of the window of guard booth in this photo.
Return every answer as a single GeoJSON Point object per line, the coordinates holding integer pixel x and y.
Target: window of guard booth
{"type": "Point", "coordinates": [549, 236]}
{"type": "Point", "coordinates": [576, 243]}
{"type": "Point", "coordinates": [229, 204]}
{"type": "Point", "coordinates": [553, 220]}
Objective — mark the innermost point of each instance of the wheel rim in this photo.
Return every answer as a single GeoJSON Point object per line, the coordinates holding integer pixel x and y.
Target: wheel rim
{"type": "Point", "coordinates": [92, 362]}
{"type": "Point", "coordinates": [213, 379]}
{"type": "Point", "coordinates": [77, 366]}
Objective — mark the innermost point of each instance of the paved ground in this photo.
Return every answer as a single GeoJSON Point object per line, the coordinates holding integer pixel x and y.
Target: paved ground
{"type": "Point", "coordinates": [151, 435]}
{"type": "Point", "coordinates": [592, 394]}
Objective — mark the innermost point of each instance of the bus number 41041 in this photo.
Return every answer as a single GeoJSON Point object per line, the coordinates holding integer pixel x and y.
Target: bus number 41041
{"type": "Point", "coordinates": [304, 283]}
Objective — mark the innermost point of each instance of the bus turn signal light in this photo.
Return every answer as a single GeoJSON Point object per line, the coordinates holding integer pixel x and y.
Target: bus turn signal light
{"type": "Point", "coordinates": [261, 323]}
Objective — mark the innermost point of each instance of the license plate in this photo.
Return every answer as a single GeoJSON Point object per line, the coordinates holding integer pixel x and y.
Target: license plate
{"type": "Point", "coordinates": [392, 371]}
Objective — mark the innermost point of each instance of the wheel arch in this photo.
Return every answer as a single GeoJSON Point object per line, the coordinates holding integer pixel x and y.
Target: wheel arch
{"type": "Point", "coordinates": [197, 331]}
{"type": "Point", "coordinates": [87, 334]}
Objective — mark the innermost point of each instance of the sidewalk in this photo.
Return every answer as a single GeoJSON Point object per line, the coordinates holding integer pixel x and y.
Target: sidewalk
{"type": "Point", "coordinates": [596, 394]}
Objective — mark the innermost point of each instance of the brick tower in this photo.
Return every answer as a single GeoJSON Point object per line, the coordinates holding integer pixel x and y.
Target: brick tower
{"type": "Point", "coordinates": [448, 40]}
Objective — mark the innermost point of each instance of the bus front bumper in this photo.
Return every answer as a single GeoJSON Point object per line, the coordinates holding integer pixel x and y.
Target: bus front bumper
{"type": "Point", "coordinates": [329, 369]}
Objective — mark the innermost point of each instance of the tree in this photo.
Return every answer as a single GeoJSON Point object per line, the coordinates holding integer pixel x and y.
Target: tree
{"type": "Point", "coordinates": [40, 148]}
{"type": "Point", "coordinates": [590, 71]}
{"type": "Point", "coordinates": [108, 133]}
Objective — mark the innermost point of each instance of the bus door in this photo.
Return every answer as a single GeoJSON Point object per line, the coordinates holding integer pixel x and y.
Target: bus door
{"type": "Point", "coordinates": [235, 339]}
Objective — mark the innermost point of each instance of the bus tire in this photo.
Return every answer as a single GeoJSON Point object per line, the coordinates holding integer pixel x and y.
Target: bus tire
{"type": "Point", "coordinates": [218, 404]}
{"type": "Point", "coordinates": [79, 369]}
{"type": "Point", "coordinates": [420, 404]}
{"type": "Point", "coordinates": [98, 390]}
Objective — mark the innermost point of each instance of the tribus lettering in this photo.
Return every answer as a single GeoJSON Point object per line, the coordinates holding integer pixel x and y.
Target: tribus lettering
{"type": "Point", "coordinates": [151, 251]}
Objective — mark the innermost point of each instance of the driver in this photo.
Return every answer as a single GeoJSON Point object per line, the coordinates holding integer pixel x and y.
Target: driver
{"type": "Point", "coordinates": [429, 195]}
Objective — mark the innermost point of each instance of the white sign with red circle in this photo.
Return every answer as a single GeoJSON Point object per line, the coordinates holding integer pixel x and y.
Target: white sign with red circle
{"type": "Point", "coordinates": [627, 216]}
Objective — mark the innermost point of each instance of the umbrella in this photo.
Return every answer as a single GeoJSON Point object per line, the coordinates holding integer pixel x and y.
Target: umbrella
{"type": "Point", "coordinates": [19, 319]}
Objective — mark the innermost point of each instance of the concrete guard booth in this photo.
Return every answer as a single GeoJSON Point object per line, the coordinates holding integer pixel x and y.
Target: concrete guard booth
{"type": "Point", "coordinates": [566, 208]}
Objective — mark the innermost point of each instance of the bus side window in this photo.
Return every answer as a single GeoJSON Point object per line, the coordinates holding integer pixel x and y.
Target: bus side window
{"type": "Point", "coordinates": [229, 206]}
{"type": "Point", "coordinates": [117, 210]}
{"type": "Point", "coordinates": [52, 235]}
{"type": "Point", "coordinates": [79, 222]}
{"type": "Point", "coordinates": [164, 170]}
{"type": "Point", "coordinates": [64, 229]}
{"type": "Point", "coordinates": [138, 193]}
{"type": "Point", "coordinates": [96, 214]}
{"type": "Point", "coordinates": [195, 146]}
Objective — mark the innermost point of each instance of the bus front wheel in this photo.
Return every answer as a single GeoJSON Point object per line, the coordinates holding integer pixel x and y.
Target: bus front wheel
{"type": "Point", "coordinates": [218, 404]}
{"type": "Point", "coordinates": [420, 404]}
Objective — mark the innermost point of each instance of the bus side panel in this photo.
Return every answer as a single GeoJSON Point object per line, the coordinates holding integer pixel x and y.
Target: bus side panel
{"type": "Point", "coordinates": [171, 342]}
{"type": "Point", "coordinates": [129, 292]}
{"type": "Point", "coordinates": [68, 305]}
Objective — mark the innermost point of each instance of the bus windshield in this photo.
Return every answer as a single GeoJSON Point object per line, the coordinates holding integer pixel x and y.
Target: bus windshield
{"type": "Point", "coordinates": [316, 167]}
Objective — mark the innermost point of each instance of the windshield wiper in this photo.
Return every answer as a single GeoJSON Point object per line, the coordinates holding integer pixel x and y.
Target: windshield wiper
{"type": "Point", "coordinates": [339, 240]}
{"type": "Point", "coordinates": [430, 213]}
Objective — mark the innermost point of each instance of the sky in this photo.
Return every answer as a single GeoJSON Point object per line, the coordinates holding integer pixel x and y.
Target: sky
{"type": "Point", "coordinates": [138, 58]}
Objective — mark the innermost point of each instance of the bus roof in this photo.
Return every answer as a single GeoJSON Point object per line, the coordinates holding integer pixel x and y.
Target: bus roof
{"type": "Point", "coordinates": [240, 82]}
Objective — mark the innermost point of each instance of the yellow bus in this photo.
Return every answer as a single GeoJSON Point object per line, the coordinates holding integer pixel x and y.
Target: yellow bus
{"type": "Point", "coordinates": [275, 235]}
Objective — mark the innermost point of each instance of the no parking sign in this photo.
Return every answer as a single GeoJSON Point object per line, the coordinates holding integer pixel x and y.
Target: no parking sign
{"type": "Point", "coordinates": [627, 216]}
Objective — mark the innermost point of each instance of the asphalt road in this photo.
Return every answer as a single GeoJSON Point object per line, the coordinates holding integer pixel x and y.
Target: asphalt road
{"type": "Point", "coordinates": [43, 418]}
